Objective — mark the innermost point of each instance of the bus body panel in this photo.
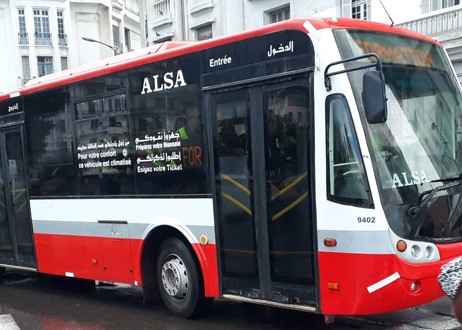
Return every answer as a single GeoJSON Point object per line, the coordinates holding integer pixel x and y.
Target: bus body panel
{"type": "Point", "coordinates": [372, 284]}
{"type": "Point", "coordinates": [69, 240]}
{"type": "Point", "coordinates": [78, 256]}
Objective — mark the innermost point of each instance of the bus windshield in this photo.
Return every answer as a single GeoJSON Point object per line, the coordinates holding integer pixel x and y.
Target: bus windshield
{"type": "Point", "coordinates": [419, 147]}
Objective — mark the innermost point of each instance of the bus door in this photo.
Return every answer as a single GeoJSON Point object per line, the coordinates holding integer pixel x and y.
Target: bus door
{"type": "Point", "coordinates": [263, 192]}
{"type": "Point", "coordinates": [16, 245]}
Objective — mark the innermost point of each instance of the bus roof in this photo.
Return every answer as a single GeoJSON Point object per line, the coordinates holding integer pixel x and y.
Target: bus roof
{"type": "Point", "coordinates": [172, 49]}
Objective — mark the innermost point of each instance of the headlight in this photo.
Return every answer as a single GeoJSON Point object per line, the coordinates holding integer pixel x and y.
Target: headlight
{"type": "Point", "coordinates": [429, 252]}
{"type": "Point", "coordinates": [415, 251]}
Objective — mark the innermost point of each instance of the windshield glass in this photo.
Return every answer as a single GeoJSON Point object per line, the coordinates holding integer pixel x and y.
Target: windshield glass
{"type": "Point", "coordinates": [420, 143]}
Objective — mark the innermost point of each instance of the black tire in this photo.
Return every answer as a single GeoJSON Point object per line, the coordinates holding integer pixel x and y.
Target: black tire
{"type": "Point", "coordinates": [179, 280]}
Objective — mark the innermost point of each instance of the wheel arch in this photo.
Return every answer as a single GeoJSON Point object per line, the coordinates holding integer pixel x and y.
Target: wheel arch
{"type": "Point", "coordinates": [206, 260]}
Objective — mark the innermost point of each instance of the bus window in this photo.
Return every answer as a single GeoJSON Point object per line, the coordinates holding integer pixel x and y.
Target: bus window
{"type": "Point", "coordinates": [347, 181]}
{"type": "Point", "coordinates": [103, 148]}
{"type": "Point", "coordinates": [287, 114]}
{"type": "Point", "coordinates": [100, 85]}
{"type": "Point", "coordinates": [169, 143]}
{"type": "Point", "coordinates": [49, 144]}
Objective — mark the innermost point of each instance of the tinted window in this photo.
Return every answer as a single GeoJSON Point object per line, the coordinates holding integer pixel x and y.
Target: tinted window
{"type": "Point", "coordinates": [347, 181]}
{"type": "Point", "coordinates": [103, 147]}
{"type": "Point", "coordinates": [168, 130]}
{"type": "Point", "coordinates": [100, 85]}
{"type": "Point", "coordinates": [49, 144]}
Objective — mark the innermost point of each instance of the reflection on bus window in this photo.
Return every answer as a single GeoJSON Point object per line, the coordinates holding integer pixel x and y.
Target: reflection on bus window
{"type": "Point", "coordinates": [287, 116]}
{"type": "Point", "coordinates": [420, 141]}
{"type": "Point", "coordinates": [229, 141]}
{"type": "Point", "coordinates": [347, 177]}
{"type": "Point", "coordinates": [169, 155]}
{"type": "Point", "coordinates": [49, 144]}
{"type": "Point", "coordinates": [103, 148]}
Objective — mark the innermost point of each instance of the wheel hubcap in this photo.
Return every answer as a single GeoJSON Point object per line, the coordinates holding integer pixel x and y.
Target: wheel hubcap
{"type": "Point", "coordinates": [175, 278]}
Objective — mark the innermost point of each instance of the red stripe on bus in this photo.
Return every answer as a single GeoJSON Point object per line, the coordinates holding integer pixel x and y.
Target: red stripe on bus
{"type": "Point", "coordinates": [354, 273]}
{"type": "Point", "coordinates": [108, 259]}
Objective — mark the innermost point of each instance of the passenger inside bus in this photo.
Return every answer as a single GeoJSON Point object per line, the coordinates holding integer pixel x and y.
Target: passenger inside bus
{"type": "Point", "coordinates": [229, 141]}
{"type": "Point", "coordinates": [281, 152]}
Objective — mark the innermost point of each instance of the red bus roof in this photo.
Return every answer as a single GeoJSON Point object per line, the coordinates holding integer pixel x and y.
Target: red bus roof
{"type": "Point", "coordinates": [172, 49]}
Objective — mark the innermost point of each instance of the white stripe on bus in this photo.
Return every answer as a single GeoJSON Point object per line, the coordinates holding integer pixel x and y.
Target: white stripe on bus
{"type": "Point", "coordinates": [188, 211]}
{"type": "Point", "coordinates": [383, 283]}
{"type": "Point", "coordinates": [94, 229]}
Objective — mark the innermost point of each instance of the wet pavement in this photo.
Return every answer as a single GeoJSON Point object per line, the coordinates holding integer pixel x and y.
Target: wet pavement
{"type": "Point", "coordinates": [38, 302]}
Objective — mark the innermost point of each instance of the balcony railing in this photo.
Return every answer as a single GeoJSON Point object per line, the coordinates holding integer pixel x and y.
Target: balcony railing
{"type": "Point", "coordinates": [161, 9]}
{"type": "Point", "coordinates": [445, 20]}
{"type": "Point", "coordinates": [62, 39]}
{"type": "Point", "coordinates": [42, 38]}
{"type": "Point", "coordinates": [23, 38]}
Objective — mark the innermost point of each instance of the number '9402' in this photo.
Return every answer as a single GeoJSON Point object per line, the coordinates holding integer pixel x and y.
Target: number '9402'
{"type": "Point", "coordinates": [366, 219]}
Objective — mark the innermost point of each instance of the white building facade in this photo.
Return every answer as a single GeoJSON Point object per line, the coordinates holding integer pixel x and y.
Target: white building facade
{"type": "Point", "coordinates": [201, 19]}
{"type": "Point", "coordinates": [45, 36]}
{"type": "Point", "coordinates": [442, 20]}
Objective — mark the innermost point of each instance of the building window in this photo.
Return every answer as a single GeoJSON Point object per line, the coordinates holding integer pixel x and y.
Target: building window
{"type": "Point", "coordinates": [359, 9]}
{"type": "Point", "coordinates": [64, 65]}
{"type": "Point", "coordinates": [42, 27]}
{"type": "Point", "coordinates": [25, 69]}
{"type": "Point", "coordinates": [440, 4]}
{"type": "Point", "coordinates": [23, 37]}
{"type": "Point", "coordinates": [279, 15]}
{"type": "Point", "coordinates": [44, 65]}
{"type": "Point", "coordinates": [116, 35]}
{"type": "Point", "coordinates": [62, 37]}
{"type": "Point", "coordinates": [128, 45]}
{"type": "Point", "coordinates": [204, 32]}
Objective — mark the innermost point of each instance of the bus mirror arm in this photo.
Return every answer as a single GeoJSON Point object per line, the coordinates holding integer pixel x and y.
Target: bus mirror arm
{"type": "Point", "coordinates": [361, 66]}
{"type": "Point", "coordinates": [374, 96]}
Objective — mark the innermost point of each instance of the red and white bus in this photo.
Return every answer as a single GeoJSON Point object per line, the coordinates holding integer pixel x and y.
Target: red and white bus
{"type": "Point", "coordinates": [313, 164]}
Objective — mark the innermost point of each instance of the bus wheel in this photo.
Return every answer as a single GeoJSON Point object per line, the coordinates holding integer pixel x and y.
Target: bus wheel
{"type": "Point", "coordinates": [179, 280]}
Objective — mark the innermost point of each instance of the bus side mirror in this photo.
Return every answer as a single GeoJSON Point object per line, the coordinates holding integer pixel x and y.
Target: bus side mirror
{"type": "Point", "coordinates": [374, 97]}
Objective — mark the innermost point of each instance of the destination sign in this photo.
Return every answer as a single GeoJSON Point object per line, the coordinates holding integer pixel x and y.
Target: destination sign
{"type": "Point", "coordinates": [11, 106]}
{"type": "Point", "coordinates": [257, 57]}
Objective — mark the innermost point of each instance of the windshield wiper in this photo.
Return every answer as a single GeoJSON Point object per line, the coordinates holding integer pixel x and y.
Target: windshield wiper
{"type": "Point", "coordinates": [426, 196]}
{"type": "Point", "coordinates": [454, 178]}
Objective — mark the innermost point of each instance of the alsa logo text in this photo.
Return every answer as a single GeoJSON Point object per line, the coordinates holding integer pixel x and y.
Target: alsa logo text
{"type": "Point", "coordinates": [168, 81]}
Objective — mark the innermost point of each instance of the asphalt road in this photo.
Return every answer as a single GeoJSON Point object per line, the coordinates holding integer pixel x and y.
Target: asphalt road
{"type": "Point", "coordinates": [36, 302]}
